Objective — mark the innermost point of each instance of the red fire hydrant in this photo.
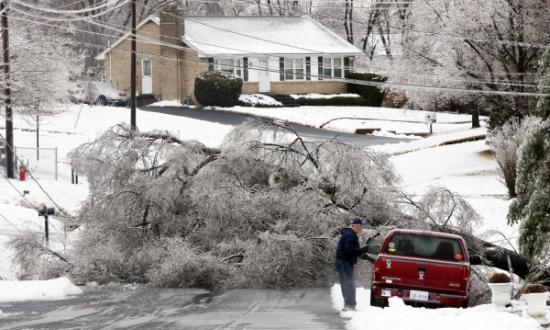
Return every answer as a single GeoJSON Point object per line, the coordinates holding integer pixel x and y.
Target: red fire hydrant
{"type": "Point", "coordinates": [22, 173]}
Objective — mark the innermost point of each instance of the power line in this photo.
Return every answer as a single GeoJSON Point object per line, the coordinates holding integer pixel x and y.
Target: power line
{"type": "Point", "coordinates": [71, 19]}
{"type": "Point", "coordinates": [77, 11]}
{"type": "Point", "coordinates": [359, 82]}
{"type": "Point", "coordinates": [382, 85]}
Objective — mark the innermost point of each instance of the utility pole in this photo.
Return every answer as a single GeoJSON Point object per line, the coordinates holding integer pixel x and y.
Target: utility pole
{"type": "Point", "coordinates": [133, 68]}
{"type": "Point", "coordinates": [8, 150]}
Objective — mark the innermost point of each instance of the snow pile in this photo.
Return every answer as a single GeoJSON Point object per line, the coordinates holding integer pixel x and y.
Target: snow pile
{"type": "Point", "coordinates": [259, 100]}
{"type": "Point", "coordinates": [55, 289]}
{"type": "Point", "coordinates": [433, 141]}
{"type": "Point", "coordinates": [173, 103]}
{"type": "Point", "coordinates": [399, 316]}
{"type": "Point", "coordinates": [322, 96]}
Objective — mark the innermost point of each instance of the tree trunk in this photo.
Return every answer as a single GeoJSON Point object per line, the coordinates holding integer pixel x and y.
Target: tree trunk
{"type": "Point", "coordinates": [475, 118]}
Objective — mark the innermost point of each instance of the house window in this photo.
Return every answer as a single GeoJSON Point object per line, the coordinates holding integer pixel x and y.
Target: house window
{"type": "Point", "coordinates": [147, 68]}
{"type": "Point", "coordinates": [294, 68]}
{"type": "Point", "coordinates": [226, 65]}
{"type": "Point", "coordinates": [337, 63]}
{"type": "Point", "coordinates": [230, 66]}
{"type": "Point", "coordinates": [327, 67]}
{"type": "Point", "coordinates": [332, 67]}
{"type": "Point", "coordinates": [299, 68]}
{"type": "Point", "coordinates": [289, 69]}
{"type": "Point", "coordinates": [238, 68]}
{"type": "Point", "coordinates": [349, 64]}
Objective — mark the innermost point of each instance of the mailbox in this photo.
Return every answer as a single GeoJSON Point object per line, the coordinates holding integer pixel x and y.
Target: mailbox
{"type": "Point", "coordinates": [430, 117]}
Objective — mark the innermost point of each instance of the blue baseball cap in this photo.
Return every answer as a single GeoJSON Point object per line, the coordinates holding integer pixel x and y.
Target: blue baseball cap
{"type": "Point", "coordinates": [357, 221]}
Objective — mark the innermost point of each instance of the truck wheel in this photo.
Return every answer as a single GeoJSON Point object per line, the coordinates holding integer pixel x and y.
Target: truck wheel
{"type": "Point", "coordinates": [102, 100]}
{"type": "Point", "coordinates": [377, 302]}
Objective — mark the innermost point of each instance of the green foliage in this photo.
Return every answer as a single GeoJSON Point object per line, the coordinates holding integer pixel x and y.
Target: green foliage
{"type": "Point", "coordinates": [532, 205]}
{"type": "Point", "coordinates": [214, 88]}
{"type": "Point", "coordinates": [373, 95]}
{"type": "Point", "coordinates": [500, 113]}
{"type": "Point", "coordinates": [543, 105]}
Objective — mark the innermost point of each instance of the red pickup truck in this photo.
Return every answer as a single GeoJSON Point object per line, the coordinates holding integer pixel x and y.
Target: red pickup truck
{"type": "Point", "coordinates": [425, 268]}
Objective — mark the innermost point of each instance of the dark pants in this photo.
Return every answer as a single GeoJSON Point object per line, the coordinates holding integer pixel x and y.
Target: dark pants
{"type": "Point", "coordinates": [347, 282]}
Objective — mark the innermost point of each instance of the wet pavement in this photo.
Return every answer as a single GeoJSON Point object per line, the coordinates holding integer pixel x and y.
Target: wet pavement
{"type": "Point", "coordinates": [138, 307]}
{"type": "Point", "coordinates": [310, 134]}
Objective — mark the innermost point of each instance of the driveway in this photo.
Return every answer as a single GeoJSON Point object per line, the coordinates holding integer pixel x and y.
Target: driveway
{"type": "Point", "coordinates": [310, 134]}
{"type": "Point", "coordinates": [138, 307]}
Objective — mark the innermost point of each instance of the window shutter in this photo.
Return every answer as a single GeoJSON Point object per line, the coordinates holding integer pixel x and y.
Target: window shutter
{"type": "Point", "coordinates": [308, 68]}
{"type": "Point", "coordinates": [281, 68]}
{"type": "Point", "coordinates": [210, 64]}
{"type": "Point", "coordinates": [320, 66]}
{"type": "Point", "coordinates": [346, 66]}
{"type": "Point", "coordinates": [245, 68]}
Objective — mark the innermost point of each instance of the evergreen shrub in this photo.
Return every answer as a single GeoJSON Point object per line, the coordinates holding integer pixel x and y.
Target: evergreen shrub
{"type": "Point", "coordinates": [214, 88]}
{"type": "Point", "coordinates": [374, 95]}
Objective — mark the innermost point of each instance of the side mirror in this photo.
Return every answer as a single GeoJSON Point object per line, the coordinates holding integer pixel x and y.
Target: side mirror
{"type": "Point", "coordinates": [475, 260]}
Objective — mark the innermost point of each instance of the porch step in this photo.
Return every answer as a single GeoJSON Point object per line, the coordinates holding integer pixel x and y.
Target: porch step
{"type": "Point", "coordinates": [285, 99]}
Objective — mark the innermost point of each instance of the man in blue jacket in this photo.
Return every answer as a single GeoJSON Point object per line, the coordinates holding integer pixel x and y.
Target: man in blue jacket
{"type": "Point", "coordinates": [347, 252]}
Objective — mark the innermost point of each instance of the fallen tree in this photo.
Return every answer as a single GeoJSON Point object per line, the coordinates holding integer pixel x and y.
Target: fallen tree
{"type": "Point", "coordinates": [263, 210]}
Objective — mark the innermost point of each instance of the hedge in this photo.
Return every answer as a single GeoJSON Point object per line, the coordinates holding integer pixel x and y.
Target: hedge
{"type": "Point", "coordinates": [373, 95]}
{"type": "Point", "coordinates": [215, 88]}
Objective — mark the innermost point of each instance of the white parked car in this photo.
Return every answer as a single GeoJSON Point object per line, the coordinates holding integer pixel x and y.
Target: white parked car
{"type": "Point", "coordinates": [98, 92]}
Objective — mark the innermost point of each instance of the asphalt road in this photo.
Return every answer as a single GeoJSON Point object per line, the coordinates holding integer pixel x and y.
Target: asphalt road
{"type": "Point", "coordinates": [310, 134]}
{"type": "Point", "coordinates": [138, 307]}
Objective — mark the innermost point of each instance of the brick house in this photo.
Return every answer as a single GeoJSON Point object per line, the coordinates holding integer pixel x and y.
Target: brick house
{"type": "Point", "coordinates": [272, 54]}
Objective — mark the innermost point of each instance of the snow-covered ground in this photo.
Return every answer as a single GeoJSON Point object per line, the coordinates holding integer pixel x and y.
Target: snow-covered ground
{"type": "Point", "coordinates": [467, 169]}
{"type": "Point", "coordinates": [60, 288]}
{"type": "Point", "coordinates": [348, 118]}
{"type": "Point", "coordinates": [322, 96]}
{"type": "Point", "coordinates": [74, 125]}
{"type": "Point", "coordinates": [399, 316]}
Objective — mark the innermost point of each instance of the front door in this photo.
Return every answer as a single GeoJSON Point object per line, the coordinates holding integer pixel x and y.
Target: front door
{"type": "Point", "coordinates": [146, 77]}
{"type": "Point", "coordinates": [263, 76]}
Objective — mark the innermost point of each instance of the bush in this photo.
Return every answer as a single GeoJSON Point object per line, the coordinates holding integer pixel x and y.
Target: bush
{"type": "Point", "coordinates": [337, 101]}
{"type": "Point", "coordinates": [535, 288]}
{"type": "Point", "coordinates": [532, 205]}
{"type": "Point", "coordinates": [499, 278]}
{"type": "Point", "coordinates": [214, 88]}
{"type": "Point", "coordinates": [505, 141]}
{"type": "Point", "coordinates": [373, 95]}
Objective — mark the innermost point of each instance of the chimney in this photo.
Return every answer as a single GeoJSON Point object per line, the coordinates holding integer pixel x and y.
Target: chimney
{"type": "Point", "coordinates": [172, 27]}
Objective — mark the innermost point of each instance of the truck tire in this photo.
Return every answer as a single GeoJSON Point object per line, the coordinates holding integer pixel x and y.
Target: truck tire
{"type": "Point", "coordinates": [377, 302]}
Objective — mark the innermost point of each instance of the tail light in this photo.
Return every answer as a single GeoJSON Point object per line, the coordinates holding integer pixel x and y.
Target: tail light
{"type": "Point", "coordinates": [378, 264]}
{"type": "Point", "coordinates": [466, 273]}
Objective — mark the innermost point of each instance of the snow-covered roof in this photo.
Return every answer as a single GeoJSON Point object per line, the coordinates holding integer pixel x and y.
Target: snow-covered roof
{"type": "Point", "coordinates": [248, 35]}
{"type": "Point", "coordinates": [275, 35]}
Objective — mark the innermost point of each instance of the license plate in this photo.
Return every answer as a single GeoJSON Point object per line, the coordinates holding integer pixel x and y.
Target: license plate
{"type": "Point", "coordinates": [386, 293]}
{"type": "Point", "coordinates": [418, 295]}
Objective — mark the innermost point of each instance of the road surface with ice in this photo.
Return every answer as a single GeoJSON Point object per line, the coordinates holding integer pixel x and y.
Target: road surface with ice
{"type": "Point", "coordinates": [310, 134]}
{"type": "Point", "coordinates": [137, 307]}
